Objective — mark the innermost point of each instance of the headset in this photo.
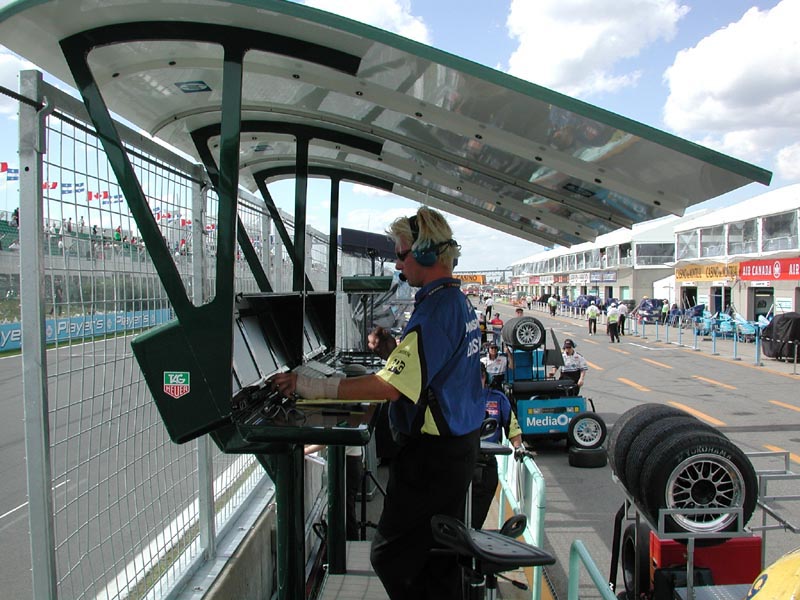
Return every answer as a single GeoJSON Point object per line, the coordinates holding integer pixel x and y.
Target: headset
{"type": "Point", "coordinates": [426, 254]}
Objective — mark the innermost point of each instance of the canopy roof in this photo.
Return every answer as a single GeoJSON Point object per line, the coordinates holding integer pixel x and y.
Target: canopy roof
{"type": "Point", "coordinates": [376, 108]}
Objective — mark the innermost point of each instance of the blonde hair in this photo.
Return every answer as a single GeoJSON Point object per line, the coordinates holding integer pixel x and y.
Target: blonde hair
{"type": "Point", "coordinates": [432, 231]}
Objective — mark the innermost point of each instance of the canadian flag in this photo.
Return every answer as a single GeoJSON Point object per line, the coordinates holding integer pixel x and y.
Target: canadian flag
{"type": "Point", "coordinates": [49, 185]}
{"type": "Point", "coordinates": [3, 167]}
{"type": "Point", "coordinates": [96, 195]}
{"type": "Point", "coordinates": [211, 227]}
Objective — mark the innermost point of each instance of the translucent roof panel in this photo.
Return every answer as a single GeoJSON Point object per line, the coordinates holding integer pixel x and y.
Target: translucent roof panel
{"type": "Point", "coordinates": [478, 142]}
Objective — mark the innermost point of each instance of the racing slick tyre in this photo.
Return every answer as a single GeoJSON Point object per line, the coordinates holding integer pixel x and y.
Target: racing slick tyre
{"type": "Point", "coordinates": [649, 438]}
{"type": "Point", "coordinates": [628, 426]}
{"type": "Point", "coordinates": [699, 470]}
{"type": "Point", "coordinates": [587, 458]}
{"type": "Point", "coordinates": [635, 544]}
{"type": "Point", "coordinates": [586, 430]}
{"type": "Point", "coordinates": [523, 333]}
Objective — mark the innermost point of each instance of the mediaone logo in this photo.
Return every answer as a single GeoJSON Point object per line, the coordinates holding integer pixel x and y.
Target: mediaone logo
{"type": "Point", "coordinates": [176, 383]}
{"type": "Point", "coordinates": [561, 420]}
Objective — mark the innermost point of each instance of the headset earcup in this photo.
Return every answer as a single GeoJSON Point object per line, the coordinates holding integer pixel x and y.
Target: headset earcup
{"type": "Point", "coordinates": [425, 256]}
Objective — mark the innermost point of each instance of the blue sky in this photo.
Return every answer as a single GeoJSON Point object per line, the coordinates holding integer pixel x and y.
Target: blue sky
{"type": "Point", "coordinates": [725, 74]}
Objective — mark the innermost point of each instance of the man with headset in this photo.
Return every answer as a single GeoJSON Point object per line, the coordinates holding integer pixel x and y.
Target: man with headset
{"type": "Point", "coordinates": [433, 382]}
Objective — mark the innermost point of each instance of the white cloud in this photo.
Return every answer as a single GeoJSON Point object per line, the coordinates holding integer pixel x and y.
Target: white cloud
{"type": "Point", "coordinates": [10, 66]}
{"type": "Point", "coordinates": [574, 46]}
{"type": "Point", "coordinates": [787, 164]}
{"type": "Point", "coordinates": [738, 89]}
{"type": "Point", "coordinates": [390, 15]}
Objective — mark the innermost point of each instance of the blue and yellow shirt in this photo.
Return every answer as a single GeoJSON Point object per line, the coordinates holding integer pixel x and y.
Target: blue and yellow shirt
{"type": "Point", "coordinates": [498, 407]}
{"type": "Point", "coordinates": [436, 365]}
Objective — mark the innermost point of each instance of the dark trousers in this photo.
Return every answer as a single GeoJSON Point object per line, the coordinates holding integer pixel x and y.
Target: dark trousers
{"type": "Point", "coordinates": [613, 331]}
{"type": "Point", "coordinates": [352, 482]}
{"type": "Point", "coordinates": [484, 486]}
{"type": "Point", "coordinates": [429, 476]}
{"type": "Point", "coordinates": [622, 324]}
{"type": "Point", "coordinates": [592, 325]}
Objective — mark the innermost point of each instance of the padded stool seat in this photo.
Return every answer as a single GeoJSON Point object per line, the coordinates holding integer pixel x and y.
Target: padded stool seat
{"type": "Point", "coordinates": [491, 552]}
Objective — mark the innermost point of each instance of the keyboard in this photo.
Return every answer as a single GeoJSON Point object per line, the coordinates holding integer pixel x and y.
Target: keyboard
{"type": "Point", "coordinates": [314, 369]}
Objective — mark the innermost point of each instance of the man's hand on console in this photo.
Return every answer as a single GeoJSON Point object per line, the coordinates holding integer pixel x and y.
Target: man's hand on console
{"type": "Point", "coordinates": [306, 387]}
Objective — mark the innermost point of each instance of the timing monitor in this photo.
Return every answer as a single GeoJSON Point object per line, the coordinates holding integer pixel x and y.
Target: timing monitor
{"type": "Point", "coordinates": [244, 364]}
{"type": "Point", "coordinates": [256, 339]}
{"type": "Point", "coordinates": [313, 343]}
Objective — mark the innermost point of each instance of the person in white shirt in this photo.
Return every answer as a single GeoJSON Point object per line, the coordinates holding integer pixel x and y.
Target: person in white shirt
{"type": "Point", "coordinates": [489, 305]}
{"type": "Point", "coordinates": [592, 312]}
{"type": "Point", "coordinates": [622, 311]}
{"type": "Point", "coordinates": [612, 319]}
{"type": "Point", "coordinates": [496, 364]}
{"type": "Point", "coordinates": [575, 366]}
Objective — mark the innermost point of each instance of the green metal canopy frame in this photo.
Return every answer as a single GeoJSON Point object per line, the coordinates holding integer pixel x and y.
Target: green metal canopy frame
{"type": "Point", "coordinates": [320, 95]}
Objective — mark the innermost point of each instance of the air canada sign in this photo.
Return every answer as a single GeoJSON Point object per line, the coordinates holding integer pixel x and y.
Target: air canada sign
{"type": "Point", "coordinates": [777, 269]}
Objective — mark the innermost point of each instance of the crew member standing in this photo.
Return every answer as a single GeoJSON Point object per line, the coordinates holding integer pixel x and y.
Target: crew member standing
{"type": "Point", "coordinates": [433, 380]}
{"type": "Point", "coordinates": [485, 480]}
{"type": "Point", "coordinates": [612, 319]}
{"type": "Point", "coordinates": [592, 313]}
{"type": "Point", "coordinates": [622, 311]}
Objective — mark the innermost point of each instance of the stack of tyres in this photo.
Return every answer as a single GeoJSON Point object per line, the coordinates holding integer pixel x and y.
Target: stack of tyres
{"type": "Point", "coordinates": [668, 459]}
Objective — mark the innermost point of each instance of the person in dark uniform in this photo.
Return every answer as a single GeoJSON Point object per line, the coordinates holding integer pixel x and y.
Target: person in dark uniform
{"type": "Point", "coordinates": [433, 382]}
{"type": "Point", "coordinates": [485, 480]}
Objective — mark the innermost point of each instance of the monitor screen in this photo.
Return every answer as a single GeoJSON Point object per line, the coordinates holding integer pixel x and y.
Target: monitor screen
{"type": "Point", "coordinates": [259, 346]}
{"type": "Point", "coordinates": [312, 340]}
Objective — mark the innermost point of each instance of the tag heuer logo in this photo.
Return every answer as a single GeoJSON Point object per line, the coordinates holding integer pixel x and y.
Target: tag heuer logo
{"type": "Point", "coordinates": [176, 383]}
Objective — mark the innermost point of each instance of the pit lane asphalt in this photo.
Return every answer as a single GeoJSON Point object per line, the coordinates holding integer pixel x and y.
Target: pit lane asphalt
{"type": "Point", "coordinates": [756, 405]}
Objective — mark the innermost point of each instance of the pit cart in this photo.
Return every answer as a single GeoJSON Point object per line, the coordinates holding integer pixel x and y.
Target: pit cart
{"type": "Point", "coordinates": [548, 408]}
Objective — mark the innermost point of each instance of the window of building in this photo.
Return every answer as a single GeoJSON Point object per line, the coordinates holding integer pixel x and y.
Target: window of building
{"type": "Point", "coordinates": [687, 245]}
{"type": "Point", "coordinates": [779, 232]}
{"type": "Point", "coordinates": [743, 237]}
{"type": "Point", "coordinates": [712, 241]}
{"type": "Point", "coordinates": [655, 254]}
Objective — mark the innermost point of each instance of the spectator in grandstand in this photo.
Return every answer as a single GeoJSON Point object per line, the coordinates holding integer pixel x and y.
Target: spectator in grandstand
{"type": "Point", "coordinates": [433, 383]}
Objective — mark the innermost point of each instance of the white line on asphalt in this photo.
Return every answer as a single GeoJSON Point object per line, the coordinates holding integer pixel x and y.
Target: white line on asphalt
{"type": "Point", "coordinates": [24, 504]}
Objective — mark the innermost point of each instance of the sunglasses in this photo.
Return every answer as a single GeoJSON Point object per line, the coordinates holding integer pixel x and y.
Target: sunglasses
{"type": "Point", "coordinates": [402, 255]}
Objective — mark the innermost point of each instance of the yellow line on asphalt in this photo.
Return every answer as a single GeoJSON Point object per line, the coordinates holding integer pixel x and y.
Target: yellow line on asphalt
{"type": "Point", "coordinates": [590, 341]}
{"type": "Point", "coordinates": [641, 388]}
{"type": "Point", "coordinates": [594, 366]}
{"type": "Point", "coordinates": [619, 350]}
{"type": "Point", "coordinates": [713, 382]}
{"type": "Point", "coordinates": [784, 405]}
{"type": "Point", "coordinates": [792, 455]}
{"type": "Point", "coordinates": [700, 415]}
{"type": "Point", "coordinates": [656, 363]}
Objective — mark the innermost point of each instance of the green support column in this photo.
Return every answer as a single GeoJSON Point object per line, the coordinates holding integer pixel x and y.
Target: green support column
{"type": "Point", "coordinates": [333, 257]}
{"type": "Point", "coordinates": [300, 202]}
{"type": "Point", "coordinates": [291, 524]}
{"type": "Point", "coordinates": [337, 538]}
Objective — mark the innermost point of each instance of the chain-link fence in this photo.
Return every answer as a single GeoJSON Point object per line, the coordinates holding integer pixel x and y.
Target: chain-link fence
{"type": "Point", "coordinates": [114, 504]}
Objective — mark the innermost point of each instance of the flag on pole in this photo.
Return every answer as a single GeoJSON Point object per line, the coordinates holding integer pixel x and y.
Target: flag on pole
{"type": "Point", "coordinates": [12, 175]}
{"type": "Point", "coordinates": [66, 188]}
{"type": "Point", "coordinates": [97, 195]}
{"type": "Point", "coordinates": [80, 188]}
{"type": "Point", "coordinates": [49, 185]}
{"type": "Point", "coordinates": [3, 167]}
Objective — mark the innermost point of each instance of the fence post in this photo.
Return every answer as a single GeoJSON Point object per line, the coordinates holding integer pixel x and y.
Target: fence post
{"type": "Point", "coordinates": [714, 340]}
{"type": "Point", "coordinates": [758, 362]}
{"type": "Point", "coordinates": [694, 328]}
{"type": "Point", "coordinates": [736, 344]}
{"type": "Point", "coordinates": [32, 140]}
{"type": "Point", "coordinates": [657, 324]}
